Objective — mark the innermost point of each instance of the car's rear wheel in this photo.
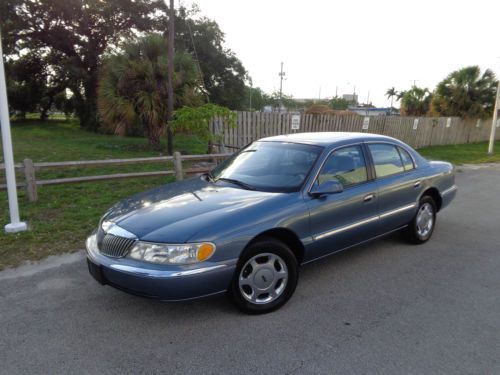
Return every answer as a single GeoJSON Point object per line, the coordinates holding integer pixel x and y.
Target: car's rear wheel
{"type": "Point", "coordinates": [265, 278]}
{"type": "Point", "coordinates": [420, 229]}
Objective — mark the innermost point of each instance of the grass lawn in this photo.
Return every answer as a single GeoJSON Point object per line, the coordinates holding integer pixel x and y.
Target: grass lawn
{"type": "Point", "coordinates": [65, 214]}
{"type": "Point", "coordinates": [473, 153]}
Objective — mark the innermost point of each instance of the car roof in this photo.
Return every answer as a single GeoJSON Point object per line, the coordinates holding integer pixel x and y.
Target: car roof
{"type": "Point", "coordinates": [327, 138]}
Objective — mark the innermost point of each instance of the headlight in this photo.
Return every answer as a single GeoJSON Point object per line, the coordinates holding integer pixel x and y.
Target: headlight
{"type": "Point", "coordinates": [91, 243]}
{"type": "Point", "coordinates": [172, 254]}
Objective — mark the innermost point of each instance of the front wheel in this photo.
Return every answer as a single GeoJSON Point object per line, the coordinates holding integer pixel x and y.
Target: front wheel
{"type": "Point", "coordinates": [420, 229]}
{"type": "Point", "coordinates": [265, 278]}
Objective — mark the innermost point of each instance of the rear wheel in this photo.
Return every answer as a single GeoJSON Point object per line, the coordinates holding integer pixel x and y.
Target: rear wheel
{"type": "Point", "coordinates": [420, 229]}
{"type": "Point", "coordinates": [265, 278]}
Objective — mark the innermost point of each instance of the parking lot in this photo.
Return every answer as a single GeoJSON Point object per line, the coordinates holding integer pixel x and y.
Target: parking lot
{"type": "Point", "coordinates": [383, 308]}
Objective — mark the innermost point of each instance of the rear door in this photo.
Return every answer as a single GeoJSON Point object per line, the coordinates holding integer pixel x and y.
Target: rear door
{"type": "Point", "coordinates": [343, 219]}
{"type": "Point", "coordinates": [398, 184]}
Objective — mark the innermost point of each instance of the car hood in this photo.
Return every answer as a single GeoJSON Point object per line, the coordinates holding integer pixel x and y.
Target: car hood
{"type": "Point", "coordinates": [177, 211]}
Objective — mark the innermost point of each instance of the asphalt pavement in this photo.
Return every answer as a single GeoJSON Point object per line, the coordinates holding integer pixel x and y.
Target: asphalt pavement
{"type": "Point", "coordinates": [383, 308]}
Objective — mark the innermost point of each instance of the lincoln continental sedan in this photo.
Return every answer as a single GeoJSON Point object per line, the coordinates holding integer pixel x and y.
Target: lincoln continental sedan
{"type": "Point", "coordinates": [246, 227]}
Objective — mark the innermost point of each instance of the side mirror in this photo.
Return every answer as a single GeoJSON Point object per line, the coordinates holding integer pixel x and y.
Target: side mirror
{"type": "Point", "coordinates": [327, 187]}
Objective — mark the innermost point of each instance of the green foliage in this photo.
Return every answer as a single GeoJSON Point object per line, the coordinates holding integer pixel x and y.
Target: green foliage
{"type": "Point", "coordinates": [223, 73]}
{"type": "Point", "coordinates": [196, 120]}
{"type": "Point", "coordinates": [391, 93]}
{"type": "Point", "coordinates": [415, 102]}
{"type": "Point", "coordinates": [465, 93]}
{"type": "Point", "coordinates": [133, 88]}
{"type": "Point", "coordinates": [255, 99]}
{"type": "Point", "coordinates": [338, 103]}
{"type": "Point", "coordinates": [28, 84]}
{"type": "Point", "coordinates": [72, 37]}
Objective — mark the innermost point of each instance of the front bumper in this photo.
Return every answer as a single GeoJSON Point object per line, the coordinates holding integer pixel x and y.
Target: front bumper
{"type": "Point", "coordinates": [165, 282]}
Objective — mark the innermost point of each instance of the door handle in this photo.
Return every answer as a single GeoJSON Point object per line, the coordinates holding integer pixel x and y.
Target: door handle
{"type": "Point", "coordinates": [368, 197]}
{"type": "Point", "coordinates": [416, 184]}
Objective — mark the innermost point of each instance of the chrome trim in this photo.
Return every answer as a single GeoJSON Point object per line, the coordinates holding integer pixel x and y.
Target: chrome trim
{"type": "Point", "coordinates": [449, 190]}
{"type": "Point", "coordinates": [118, 231]}
{"type": "Point", "coordinates": [161, 273]}
{"type": "Point", "coordinates": [353, 245]}
{"type": "Point", "coordinates": [356, 224]}
{"type": "Point", "coordinates": [346, 227]}
{"type": "Point", "coordinates": [398, 145]}
{"type": "Point", "coordinates": [398, 210]}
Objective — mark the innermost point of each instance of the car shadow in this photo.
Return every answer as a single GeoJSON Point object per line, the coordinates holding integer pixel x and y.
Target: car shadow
{"type": "Point", "coordinates": [129, 306]}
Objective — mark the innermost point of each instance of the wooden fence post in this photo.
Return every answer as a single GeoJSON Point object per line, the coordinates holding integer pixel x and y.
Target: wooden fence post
{"type": "Point", "coordinates": [29, 176]}
{"type": "Point", "coordinates": [178, 166]}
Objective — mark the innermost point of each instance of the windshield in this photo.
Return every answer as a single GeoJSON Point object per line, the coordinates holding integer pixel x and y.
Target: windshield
{"type": "Point", "coordinates": [269, 166]}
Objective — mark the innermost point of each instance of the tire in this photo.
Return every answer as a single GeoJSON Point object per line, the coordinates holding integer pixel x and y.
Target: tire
{"type": "Point", "coordinates": [422, 226]}
{"type": "Point", "coordinates": [265, 278]}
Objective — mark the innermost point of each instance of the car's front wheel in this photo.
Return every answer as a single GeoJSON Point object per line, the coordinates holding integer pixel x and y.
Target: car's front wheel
{"type": "Point", "coordinates": [420, 229]}
{"type": "Point", "coordinates": [265, 278]}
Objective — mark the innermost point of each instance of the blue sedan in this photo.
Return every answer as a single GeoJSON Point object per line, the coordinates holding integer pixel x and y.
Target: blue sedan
{"type": "Point", "coordinates": [246, 227]}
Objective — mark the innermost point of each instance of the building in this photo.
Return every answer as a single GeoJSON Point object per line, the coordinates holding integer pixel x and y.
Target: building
{"type": "Point", "coordinates": [351, 98]}
{"type": "Point", "coordinates": [372, 111]}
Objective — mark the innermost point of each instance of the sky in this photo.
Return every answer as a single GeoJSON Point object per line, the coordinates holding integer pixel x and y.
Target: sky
{"type": "Point", "coordinates": [370, 45]}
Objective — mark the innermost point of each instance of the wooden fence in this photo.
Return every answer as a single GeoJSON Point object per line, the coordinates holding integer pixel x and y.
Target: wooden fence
{"type": "Point", "coordinates": [415, 131]}
{"type": "Point", "coordinates": [31, 182]}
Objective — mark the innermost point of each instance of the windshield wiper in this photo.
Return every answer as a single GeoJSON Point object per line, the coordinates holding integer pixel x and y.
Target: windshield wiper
{"type": "Point", "coordinates": [236, 182]}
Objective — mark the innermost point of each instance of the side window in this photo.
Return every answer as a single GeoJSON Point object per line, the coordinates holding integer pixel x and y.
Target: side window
{"type": "Point", "coordinates": [346, 165]}
{"type": "Point", "coordinates": [386, 159]}
{"type": "Point", "coordinates": [407, 160]}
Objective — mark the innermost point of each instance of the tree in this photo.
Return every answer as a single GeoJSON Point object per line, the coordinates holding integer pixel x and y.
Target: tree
{"type": "Point", "coordinates": [133, 89]}
{"type": "Point", "coordinates": [415, 102]}
{"type": "Point", "coordinates": [259, 98]}
{"type": "Point", "coordinates": [391, 93]}
{"type": "Point", "coordinates": [73, 36]}
{"type": "Point", "coordinates": [222, 73]}
{"type": "Point", "coordinates": [338, 103]}
{"type": "Point", "coordinates": [465, 93]}
{"type": "Point", "coordinates": [26, 83]}
{"type": "Point", "coordinates": [196, 120]}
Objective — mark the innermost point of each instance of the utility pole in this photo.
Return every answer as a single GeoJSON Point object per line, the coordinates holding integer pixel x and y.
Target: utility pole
{"type": "Point", "coordinates": [15, 224]}
{"type": "Point", "coordinates": [170, 75]}
{"type": "Point", "coordinates": [494, 122]}
{"type": "Point", "coordinates": [281, 74]}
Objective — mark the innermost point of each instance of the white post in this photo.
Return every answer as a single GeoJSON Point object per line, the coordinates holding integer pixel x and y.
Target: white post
{"type": "Point", "coordinates": [15, 224]}
{"type": "Point", "coordinates": [494, 122]}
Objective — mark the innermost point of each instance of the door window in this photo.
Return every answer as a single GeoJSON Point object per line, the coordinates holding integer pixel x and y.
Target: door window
{"type": "Point", "coordinates": [386, 159]}
{"type": "Point", "coordinates": [347, 165]}
{"type": "Point", "coordinates": [407, 160]}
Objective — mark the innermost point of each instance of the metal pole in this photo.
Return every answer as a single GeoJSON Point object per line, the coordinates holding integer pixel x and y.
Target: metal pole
{"type": "Point", "coordinates": [15, 224]}
{"type": "Point", "coordinates": [281, 74]}
{"type": "Point", "coordinates": [170, 74]}
{"type": "Point", "coordinates": [494, 122]}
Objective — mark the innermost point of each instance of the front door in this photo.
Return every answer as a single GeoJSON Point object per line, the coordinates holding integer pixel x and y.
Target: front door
{"type": "Point", "coordinates": [344, 219]}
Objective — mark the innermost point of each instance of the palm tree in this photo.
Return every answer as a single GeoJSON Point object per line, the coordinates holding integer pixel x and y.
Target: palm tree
{"type": "Point", "coordinates": [416, 101]}
{"type": "Point", "coordinates": [133, 88]}
{"type": "Point", "coordinates": [391, 93]}
{"type": "Point", "coordinates": [465, 93]}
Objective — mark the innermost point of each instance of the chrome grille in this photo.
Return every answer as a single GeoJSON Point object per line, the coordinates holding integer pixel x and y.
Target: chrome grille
{"type": "Point", "coordinates": [114, 246]}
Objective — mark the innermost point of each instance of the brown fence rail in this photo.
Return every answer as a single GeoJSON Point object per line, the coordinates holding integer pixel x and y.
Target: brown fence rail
{"type": "Point", "coordinates": [31, 182]}
{"type": "Point", "coordinates": [415, 131]}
